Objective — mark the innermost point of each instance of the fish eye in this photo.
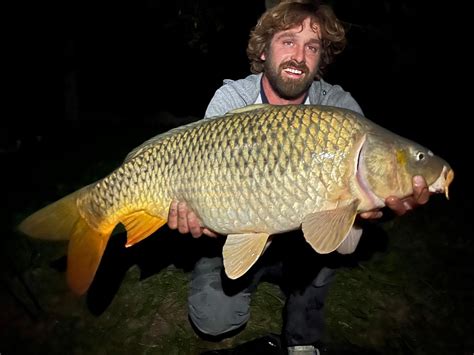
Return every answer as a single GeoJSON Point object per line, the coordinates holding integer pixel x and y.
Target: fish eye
{"type": "Point", "coordinates": [420, 156]}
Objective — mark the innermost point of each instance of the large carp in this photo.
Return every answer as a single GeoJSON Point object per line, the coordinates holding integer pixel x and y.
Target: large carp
{"type": "Point", "coordinates": [249, 174]}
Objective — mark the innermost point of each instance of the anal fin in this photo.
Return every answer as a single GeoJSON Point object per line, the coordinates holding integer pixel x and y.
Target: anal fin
{"type": "Point", "coordinates": [241, 251]}
{"type": "Point", "coordinates": [140, 225]}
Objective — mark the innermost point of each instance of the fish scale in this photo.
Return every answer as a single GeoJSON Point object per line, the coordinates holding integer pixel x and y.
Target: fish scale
{"type": "Point", "coordinates": [276, 175]}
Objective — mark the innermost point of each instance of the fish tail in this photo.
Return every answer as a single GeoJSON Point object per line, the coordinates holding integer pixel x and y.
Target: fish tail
{"type": "Point", "coordinates": [87, 245]}
{"type": "Point", "coordinates": [61, 220]}
{"type": "Point", "coordinates": [55, 221]}
{"type": "Point", "coordinates": [85, 250]}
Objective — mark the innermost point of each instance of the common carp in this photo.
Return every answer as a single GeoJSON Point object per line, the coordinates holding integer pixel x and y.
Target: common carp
{"type": "Point", "coordinates": [249, 174]}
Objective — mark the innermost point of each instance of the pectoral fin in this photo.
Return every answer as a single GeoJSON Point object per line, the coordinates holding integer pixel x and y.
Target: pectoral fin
{"type": "Point", "coordinates": [327, 230]}
{"type": "Point", "coordinates": [241, 251]}
{"type": "Point", "coordinates": [140, 225]}
{"type": "Point", "coordinates": [349, 244]}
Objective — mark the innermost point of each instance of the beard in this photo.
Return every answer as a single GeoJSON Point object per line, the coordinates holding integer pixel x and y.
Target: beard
{"type": "Point", "coordinates": [288, 88]}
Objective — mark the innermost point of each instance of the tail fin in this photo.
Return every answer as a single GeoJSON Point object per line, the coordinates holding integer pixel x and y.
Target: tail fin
{"type": "Point", "coordinates": [55, 221]}
{"type": "Point", "coordinates": [61, 221]}
{"type": "Point", "coordinates": [85, 250]}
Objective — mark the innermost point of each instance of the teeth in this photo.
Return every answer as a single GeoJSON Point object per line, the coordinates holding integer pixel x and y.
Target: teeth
{"type": "Point", "coordinates": [294, 71]}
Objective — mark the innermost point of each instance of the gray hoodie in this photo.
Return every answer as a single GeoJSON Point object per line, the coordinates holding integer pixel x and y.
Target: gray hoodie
{"type": "Point", "coordinates": [244, 92]}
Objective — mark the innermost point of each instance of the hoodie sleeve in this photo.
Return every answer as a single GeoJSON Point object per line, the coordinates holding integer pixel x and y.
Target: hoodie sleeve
{"type": "Point", "coordinates": [225, 99]}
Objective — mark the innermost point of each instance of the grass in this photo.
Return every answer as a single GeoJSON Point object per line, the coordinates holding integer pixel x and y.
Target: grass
{"type": "Point", "coordinates": [408, 289]}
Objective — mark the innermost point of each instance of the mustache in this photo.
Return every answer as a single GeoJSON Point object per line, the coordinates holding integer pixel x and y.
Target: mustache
{"type": "Point", "coordinates": [296, 65]}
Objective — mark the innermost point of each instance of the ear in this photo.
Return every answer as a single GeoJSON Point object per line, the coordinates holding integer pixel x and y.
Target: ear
{"type": "Point", "coordinates": [262, 56]}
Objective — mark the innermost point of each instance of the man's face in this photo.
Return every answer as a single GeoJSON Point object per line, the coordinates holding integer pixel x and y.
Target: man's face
{"type": "Point", "coordinates": [292, 61]}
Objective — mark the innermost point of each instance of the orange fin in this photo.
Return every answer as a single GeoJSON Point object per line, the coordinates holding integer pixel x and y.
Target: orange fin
{"type": "Point", "coordinates": [55, 221]}
{"type": "Point", "coordinates": [140, 225]}
{"type": "Point", "coordinates": [241, 251]}
{"type": "Point", "coordinates": [86, 248]}
{"type": "Point", "coordinates": [325, 231]}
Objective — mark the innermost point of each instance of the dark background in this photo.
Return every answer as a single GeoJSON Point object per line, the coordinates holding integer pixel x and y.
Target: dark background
{"type": "Point", "coordinates": [131, 61]}
{"type": "Point", "coordinates": [88, 81]}
{"type": "Point", "coordinates": [128, 62]}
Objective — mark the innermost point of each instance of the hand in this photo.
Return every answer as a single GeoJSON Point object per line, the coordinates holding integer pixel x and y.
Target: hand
{"type": "Point", "coordinates": [421, 195]}
{"type": "Point", "coordinates": [186, 221]}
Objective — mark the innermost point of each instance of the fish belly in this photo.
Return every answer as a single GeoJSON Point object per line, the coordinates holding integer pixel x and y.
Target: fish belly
{"type": "Point", "coordinates": [262, 173]}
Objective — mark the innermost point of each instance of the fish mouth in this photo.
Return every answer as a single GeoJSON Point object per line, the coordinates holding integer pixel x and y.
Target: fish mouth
{"type": "Point", "coordinates": [442, 183]}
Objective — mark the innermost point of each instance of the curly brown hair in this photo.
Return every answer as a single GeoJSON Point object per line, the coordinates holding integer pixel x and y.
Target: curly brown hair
{"type": "Point", "coordinates": [288, 14]}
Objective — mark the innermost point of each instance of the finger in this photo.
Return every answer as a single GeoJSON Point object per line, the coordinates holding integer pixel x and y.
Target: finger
{"type": "Point", "coordinates": [396, 205]}
{"type": "Point", "coordinates": [194, 225]}
{"type": "Point", "coordinates": [409, 203]}
{"type": "Point", "coordinates": [173, 215]}
{"type": "Point", "coordinates": [371, 214]}
{"type": "Point", "coordinates": [421, 192]}
{"type": "Point", "coordinates": [182, 218]}
{"type": "Point", "coordinates": [209, 233]}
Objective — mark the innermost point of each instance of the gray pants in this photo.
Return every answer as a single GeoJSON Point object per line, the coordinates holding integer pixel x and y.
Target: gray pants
{"type": "Point", "coordinates": [218, 305]}
{"type": "Point", "coordinates": [211, 309]}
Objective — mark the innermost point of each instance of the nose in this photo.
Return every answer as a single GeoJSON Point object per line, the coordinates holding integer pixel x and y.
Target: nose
{"type": "Point", "coordinates": [298, 54]}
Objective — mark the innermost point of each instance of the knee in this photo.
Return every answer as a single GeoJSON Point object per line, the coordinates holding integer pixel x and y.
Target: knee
{"type": "Point", "coordinates": [216, 316]}
{"type": "Point", "coordinates": [325, 277]}
{"type": "Point", "coordinates": [211, 310]}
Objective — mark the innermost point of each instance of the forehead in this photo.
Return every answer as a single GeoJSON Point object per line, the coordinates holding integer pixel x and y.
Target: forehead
{"type": "Point", "coordinates": [309, 28]}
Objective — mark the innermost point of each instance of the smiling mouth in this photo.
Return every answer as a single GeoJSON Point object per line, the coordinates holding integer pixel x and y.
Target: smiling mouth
{"type": "Point", "coordinates": [293, 71]}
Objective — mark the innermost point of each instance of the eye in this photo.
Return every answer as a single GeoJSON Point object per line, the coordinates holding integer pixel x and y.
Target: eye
{"type": "Point", "coordinates": [420, 156]}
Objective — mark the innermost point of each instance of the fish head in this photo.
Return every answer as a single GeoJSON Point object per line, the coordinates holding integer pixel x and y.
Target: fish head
{"type": "Point", "coordinates": [418, 160]}
{"type": "Point", "coordinates": [388, 164]}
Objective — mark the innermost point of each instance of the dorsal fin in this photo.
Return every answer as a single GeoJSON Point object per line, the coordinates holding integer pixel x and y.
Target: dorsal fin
{"type": "Point", "coordinates": [162, 136]}
{"type": "Point", "coordinates": [248, 108]}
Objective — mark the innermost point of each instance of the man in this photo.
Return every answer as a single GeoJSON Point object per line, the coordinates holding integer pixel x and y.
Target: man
{"type": "Point", "coordinates": [289, 48]}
